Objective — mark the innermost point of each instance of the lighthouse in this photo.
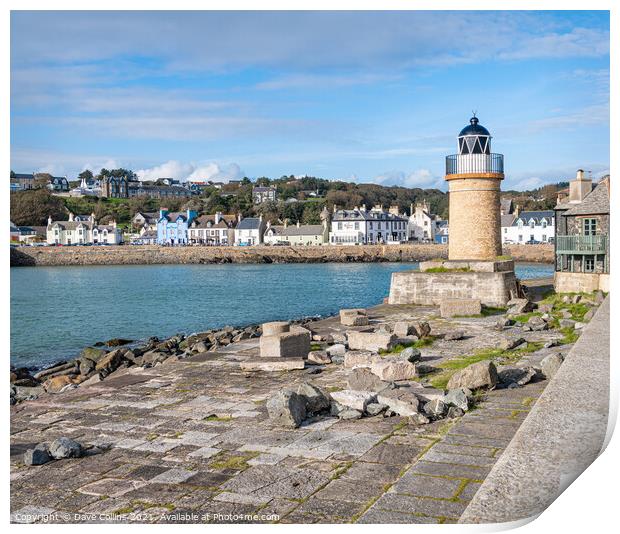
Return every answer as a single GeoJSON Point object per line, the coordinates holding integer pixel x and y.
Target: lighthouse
{"type": "Point", "coordinates": [474, 176]}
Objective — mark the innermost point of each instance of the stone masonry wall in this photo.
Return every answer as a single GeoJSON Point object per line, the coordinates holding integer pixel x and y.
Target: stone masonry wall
{"type": "Point", "coordinates": [475, 226]}
{"type": "Point", "coordinates": [151, 254]}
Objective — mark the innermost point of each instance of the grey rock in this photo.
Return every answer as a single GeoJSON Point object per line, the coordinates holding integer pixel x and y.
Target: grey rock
{"type": "Point", "coordinates": [552, 343]}
{"type": "Point", "coordinates": [567, 323]}
{"type": "Point", "coordinates": [349, 414]}
{"type": "Point", "coordinates": [286, 408]}
{"type": "Point", "coordinates": [336, 350]}
{"type": "Point", "coordinates": [579, 326]}
{"type": "Point", "coordinates": [551, 365]}
{"type": "Point", "coordinates": [458, 398]}
{"type": "Point", "coordinates": [375, 408]}
{"type": "Point", "coordinates": [589, 314]}
{"type": "Point", "coordinates": [411, 354]}
{"type": "Point", "coordinates": [503, 323]}
{"type": "Point", "coordinates": [518, 306]}
{"type": "Point", "coordinates": [38, 456]}
{"type": "Point", "coordinates": [576, 299]}
{"type": "Point", "coordinates": [319, 357]}
{"type": "Point", "coordinates": [419, 419]}
{"type": "Point", "coordinates": [516, 375]}
{"type": "Point", "coordinates": [65, 448]}
{"type": "Point", "coordinates": [454, 335]}
{"type": "Point", "coordinates": [401, 400]}
{"type": "Point", "coordinates": [510, 343]}
{"type": "Point", "coordinates": [362, 379]}
{"type": "Point", "coordinates": [545, 308]}
{"type": "Point", "coordinates": [454, 412]}
{"type": "Point", "coordinates": [537, 323]}
{"type": "Point", "coordinates": [423, 329]}
{"type": "Point", "coordinates": [316, 400]}
{"type": "Point", "coordinates": [357, 400]}
{"type": "Point", "coordinates": [435, 408]}
{"type": "Point", "coordinates": [422, 368]}
{"type": "Point", "coordinates": [478, 375]}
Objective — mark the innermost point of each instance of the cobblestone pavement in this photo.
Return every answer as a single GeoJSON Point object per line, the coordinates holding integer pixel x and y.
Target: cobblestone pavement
{"type": "Point", "coordinates": [192, 443]}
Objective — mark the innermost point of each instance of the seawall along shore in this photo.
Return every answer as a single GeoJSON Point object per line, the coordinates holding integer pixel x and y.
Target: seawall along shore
{"type": "Point", "coordinates": [153, 254]}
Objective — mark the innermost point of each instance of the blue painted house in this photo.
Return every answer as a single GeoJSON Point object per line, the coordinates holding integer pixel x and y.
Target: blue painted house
{"type": "Point", "coordinates": [172, 227]}
{"type": "Point", "coordinates": [441, 232]}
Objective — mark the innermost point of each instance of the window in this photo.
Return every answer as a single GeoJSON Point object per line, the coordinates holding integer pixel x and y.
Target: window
{"type": "Point", "coordinates": [532, 224]}
{"type": "Point", "coordinates": [589, 226]}
{"type": "Point", "coordinates": [544, 238]}
{"type": "Point", "coordinates": [520, 237]}
{"type": "Point", "coordinates": [339, 226]}
{"type": "Point", "coordinates": [544, 224]}
{"type": "Point", "coordinates": [588, 265]}
{"type": "Point", "coordinates": [357, 226]}
{"type": "Point", "coordinates": [505, 230]}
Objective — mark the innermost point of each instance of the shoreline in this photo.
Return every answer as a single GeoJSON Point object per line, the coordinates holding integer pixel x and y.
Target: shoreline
{"type": "Point", "coordinates": [261, 254]}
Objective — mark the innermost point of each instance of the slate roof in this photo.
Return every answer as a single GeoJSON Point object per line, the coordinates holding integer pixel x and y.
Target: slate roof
{"type": "Point", "coordinates": [294, 230]}
{"type": "Point", "coordinates": [506, 205]}
{"type": "Point", "coordinates": [507, 220]}
{"type": "Point", "coordinates": [251, 223]}
{"type": "Point", "coordinates": [595, 203]}
{"type": "Point", "coordinates": [226, 221]}
{"type": "Point", "coordinates": [538, 216]}
{"type": "Point", "coordinates": [361, 215]}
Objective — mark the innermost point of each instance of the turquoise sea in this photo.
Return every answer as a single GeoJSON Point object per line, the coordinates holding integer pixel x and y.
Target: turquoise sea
{"type": "Point", "coordinates": [57, 311]}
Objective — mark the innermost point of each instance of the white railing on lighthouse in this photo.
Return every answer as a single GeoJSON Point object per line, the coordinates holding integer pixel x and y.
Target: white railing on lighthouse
{"type": "Point", "coordinates": [473, 163]}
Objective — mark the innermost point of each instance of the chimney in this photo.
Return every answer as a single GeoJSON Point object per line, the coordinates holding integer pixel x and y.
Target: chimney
{"type": "Point", "coordinates": [70, 217]}
{"type": "Point", "coordinates": [218, 217]}
{"type": "Point", "coordinates": [335, 208]}
{"type": "Point", "coordinates": [517, 210]}
{"type": "Point", "coordinates": [297, 224]}
{"type": "Point", "coordinates": [49, 220]}
{"type": "Point", "coordinates": [285, 223]}
{"type": "Point", "coordinates": [239, 217]}
{"type": "Point", "coordinates": [113, 223]}
{"type": "Point", "coordinates": [579, 187]}
{"type": "Point", "coordinates": [163, 212]}
{"type": "Point", "coordinates": [260, 217]}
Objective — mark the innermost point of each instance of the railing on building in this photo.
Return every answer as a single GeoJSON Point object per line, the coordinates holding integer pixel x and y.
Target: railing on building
{"type": "Point", "coordinates": [581, 244]}
{"type": "Point", "coordinates": [472, 163]}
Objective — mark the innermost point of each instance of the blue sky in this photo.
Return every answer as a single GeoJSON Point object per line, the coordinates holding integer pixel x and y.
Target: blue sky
{"type": "Point", "coordinates": [364, 96]}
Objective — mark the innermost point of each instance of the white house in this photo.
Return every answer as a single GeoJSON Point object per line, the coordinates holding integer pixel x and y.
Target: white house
{"type": "Point", "coordinates": [297, 234]}
{"type": "Point", "coordinates": [215, 229]}
{"type": "Point", "coordinates": [249, 231]}
{"type": "Point", "coordinates": [422, 225]}
{"type": "Point", "coordinates": [74, 232]}
{"type": "Point", "coordinates": [528, 226]}
{"type": "Point", "coordinates": [361, 226]}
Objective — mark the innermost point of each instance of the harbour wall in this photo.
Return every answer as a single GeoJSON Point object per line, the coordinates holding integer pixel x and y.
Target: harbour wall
{"type": "Point", "coordinates": [153, 254]}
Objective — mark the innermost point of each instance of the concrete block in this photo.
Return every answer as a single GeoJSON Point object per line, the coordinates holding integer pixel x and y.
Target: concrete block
{"type": "Point", "coordinates": [373, 341]}
{"type": "Point", "coordinates": [354, 317]}
{"type": "Point", "coordinates": [275, 327]}
{"type": "Point", "coordinates": [285, 345]}
{"type": "Point", "coordinates": [453, 307]}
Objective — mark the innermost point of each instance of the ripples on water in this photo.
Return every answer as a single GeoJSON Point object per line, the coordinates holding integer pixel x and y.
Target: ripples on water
{"type": "Point", "coordinates": [57, 311]}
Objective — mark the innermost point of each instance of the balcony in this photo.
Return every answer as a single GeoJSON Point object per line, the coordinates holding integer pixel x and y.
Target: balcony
{"type": "Point", "coordinates": [474, 163]}
{"type": "Point", "coordinates": [581, 244]}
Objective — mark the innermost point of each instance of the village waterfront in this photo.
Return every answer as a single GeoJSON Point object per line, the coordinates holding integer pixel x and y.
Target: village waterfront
{"type": "Point", "coordinates": [74, 307]}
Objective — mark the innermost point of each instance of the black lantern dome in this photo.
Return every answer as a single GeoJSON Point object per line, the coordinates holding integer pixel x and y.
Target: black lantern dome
{"type": "Point", "coordinates": [474, 139]}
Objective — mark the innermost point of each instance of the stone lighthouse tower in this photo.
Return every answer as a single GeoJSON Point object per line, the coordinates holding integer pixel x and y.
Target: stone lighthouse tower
{"type": "Point", "coordinates": [474, 176]}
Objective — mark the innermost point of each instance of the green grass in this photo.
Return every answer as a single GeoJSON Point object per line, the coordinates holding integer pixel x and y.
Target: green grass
{"type": "Point", "coordinates": [424, 342]}
{"type": "Point", "coordinates": [503, 258]}
{"type": "Point", "coordinates": [446, 270]}
{"type": "Point", "coordinates": [525, 317]}
{"type": "Point", "coordinates": [490, 310]}
{"type": "Point", "coordinates": [316, 346]}
{"type": "Point", "coordinates": [570, 335]}
{"type": "Point", "coordinates": [218, 418]}
{"type": "Point", "coordinates": [239, 463]}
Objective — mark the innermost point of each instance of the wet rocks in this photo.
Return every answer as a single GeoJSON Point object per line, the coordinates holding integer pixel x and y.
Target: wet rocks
{"type": "Point", "coordinates": [478, 375]}
{"type": "Point", "coordinates": [551, 365]}
{"type": "Point", "coordinates": [117, 342]}
{"type": "Point", "coordinates": [287, 408]}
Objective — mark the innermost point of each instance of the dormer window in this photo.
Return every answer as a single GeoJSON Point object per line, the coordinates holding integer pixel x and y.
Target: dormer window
{"type": "Point", "coordinates": [532, 223]}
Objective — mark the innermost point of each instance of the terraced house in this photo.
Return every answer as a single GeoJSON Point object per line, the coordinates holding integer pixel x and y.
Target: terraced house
{"type": "Point", "coordinates": [360, 226]}
{"type": "Point", "coordinates": [80, 232]}
{"type": "Point", "coordinates": [582, 241]}
{"type": "Point", "coordinates": [213, 230]}
{"type": "Point", "coordinates": [528, 227]}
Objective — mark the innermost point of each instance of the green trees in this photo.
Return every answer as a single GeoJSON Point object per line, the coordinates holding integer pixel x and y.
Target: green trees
{"type": "Point", "coordinates": [32, 208]}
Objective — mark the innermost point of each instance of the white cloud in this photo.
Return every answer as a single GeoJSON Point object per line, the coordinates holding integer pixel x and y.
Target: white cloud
{"type": "Point", "coordinates": [422, 178]}
{"type": "Point", "coordinates": [190, 171]}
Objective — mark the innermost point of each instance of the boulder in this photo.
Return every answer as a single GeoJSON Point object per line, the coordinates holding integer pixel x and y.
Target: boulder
{"type": "Point", "coordinates": [519, 306]}
{"type": "Point", "coordinates": [362, 379]}
{"type": "Point", "coordinates": [418, 419]}
{"type": "Point", "coordinates": [110, 362]}
{"type": "Point", "coordinates": [57, 383]}
{"type": "Point", "coordinates": [93, 353]}
{"type": "Point", "coordinates": [354, 317]}
{"type": "Point", "coordinates": [375, 408]}
{"type": "Point", "coordinates": [504, 322]}
{"type": "Point", "coordinates": [579, 325]}
{"type": "Point", "coordinates": [537, 323]}
{"type": "Point", "coordinates": [118, 342]}
{"type": "Point", "coordinates": [404, 328]}
{"type": "Point", "coordinates": [401, 401]}
{"type": "Point", "coordinates": [336, 338]}
{"type": "Point", "coordinates": [391, 369]}
{"type": "Point", "coordinates": [201, 346]}
{"type": "Point", "coordinates": [86, 366]}
{"type": "Point", "coordinates": [435, 408]}
{"type": "Point", "coordinates": [411, 354]}
{"type": "Point", "coordinates": [373, 341]}
{"type": "Point", "coordinates": [23, 393]}
{"type": "Point", "coordinates": [478, 375]}
{"type": "Point", "coordinates": [454, 335]}
{"type": "Point", "coordinates": [358, 400]}
{"type": "Point", "coordinates": [38, 456]}
{"type": "Point", "coordinates": [510, 343]}
{"type": "Point", "coordinates": [545, 308]}
{"type": "Point", "coordinates": [65, 448]}
{"type": "Point", "coordinates": [316, 400]}
{"type": "Point", "coordinates": [552, 343]}
{"type": "Point", "coordinates": [589, 314]}
{"type": "Point", "coordinates": [293, 344]}
{"type": "Point", "coordinates": [349, 414]}
{"type": "Point", "coordinates": [319, 357]}
{"type": "Point", "coordinates": [336, 350]}
{"type": "Point", "coordinates": [360, 358]}
{"type": "Point", "coordinates": [422, 328]}
{"type": "Point", "coordinates": [286, 408]}
{"type": "Point", "coordinates": [458, 398]}
{"type": "Point", "coordinates": [567, 323]}
{"type": "Point", "coordinates": [516, 375]}
{"type": "Point", "coordinates": [551, 365]}
{"type": "Point", "coordinates": [422, 368]}
{"type": "Point", "coordinates": [454, 412]}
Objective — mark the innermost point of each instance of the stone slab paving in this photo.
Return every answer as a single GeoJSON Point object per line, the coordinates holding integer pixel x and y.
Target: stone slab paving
{"type": "Point", "coordinates": [192, 442]}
